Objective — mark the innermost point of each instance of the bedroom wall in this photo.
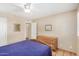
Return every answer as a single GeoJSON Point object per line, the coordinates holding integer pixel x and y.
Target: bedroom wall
{"type": "Point", "coordinates": [78, 31]}
{"type": "Point", "coordinates": [13, 36]}
{"type": "Point", "coordinates": [64, 28]}
{"type": "Point", "coordinates": [78, 46]}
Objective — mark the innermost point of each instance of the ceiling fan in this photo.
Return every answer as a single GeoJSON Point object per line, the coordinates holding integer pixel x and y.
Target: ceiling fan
{"type": "Point", "coordinates": [26, 7]}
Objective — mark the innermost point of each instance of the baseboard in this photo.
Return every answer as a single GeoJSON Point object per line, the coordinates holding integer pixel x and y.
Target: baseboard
{"type": "Point", "coordinates": [68, 51]}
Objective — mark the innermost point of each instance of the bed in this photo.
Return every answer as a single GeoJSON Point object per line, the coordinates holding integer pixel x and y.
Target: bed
{"type": "Point", "coordinates": [26, 48]}
{"type": "Point", "coordinates": [51, 41]}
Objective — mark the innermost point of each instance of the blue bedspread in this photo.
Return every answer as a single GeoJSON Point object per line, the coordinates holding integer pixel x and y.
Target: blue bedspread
{"type": "Point", "coordinates": [25, 48]}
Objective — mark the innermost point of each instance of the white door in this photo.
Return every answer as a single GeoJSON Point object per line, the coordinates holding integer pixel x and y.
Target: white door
{"type": "Point", "coordinates": [28, 30]}
{"type": "Point", "coordinates": [33, 30]}
{"type": "Point", "coordinates": [3, 31]}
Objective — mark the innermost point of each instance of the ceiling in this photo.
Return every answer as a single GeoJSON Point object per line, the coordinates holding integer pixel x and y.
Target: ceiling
{"type": "Point", "coordinates": [38, 10]}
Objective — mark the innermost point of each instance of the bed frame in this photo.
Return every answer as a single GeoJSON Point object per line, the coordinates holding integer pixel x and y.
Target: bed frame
{"type": "Point", "coordinates": [50, 41]}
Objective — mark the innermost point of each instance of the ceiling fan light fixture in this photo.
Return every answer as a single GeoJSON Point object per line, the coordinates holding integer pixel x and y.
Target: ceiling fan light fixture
{"type": "Point", "coordinates": [27, 7]}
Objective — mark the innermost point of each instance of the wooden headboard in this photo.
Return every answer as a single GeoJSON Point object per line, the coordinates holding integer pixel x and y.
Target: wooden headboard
{"type": "Point", "coordinates": [50, 41]}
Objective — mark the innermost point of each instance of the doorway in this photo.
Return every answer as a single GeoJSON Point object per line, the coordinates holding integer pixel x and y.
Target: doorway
{"type": "Point", "coordinates": [28, 30]}
{"type": "Point", "coordinates": [31, 30]}
{"type": "Point", "coordinates": [3, 31]}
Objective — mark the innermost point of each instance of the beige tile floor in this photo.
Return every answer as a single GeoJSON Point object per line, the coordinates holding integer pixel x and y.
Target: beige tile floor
{"type": "Point", "coordinates": [62, 53]}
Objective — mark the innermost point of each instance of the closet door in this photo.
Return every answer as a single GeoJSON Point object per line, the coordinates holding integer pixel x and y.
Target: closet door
{"type": "Point", "coordinates": [3, 31]}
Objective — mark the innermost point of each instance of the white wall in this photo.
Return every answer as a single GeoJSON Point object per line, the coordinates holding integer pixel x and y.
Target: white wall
{"type": "Point", "coordinates": [78, 46]}
{"type": "Point", "coordinates": [78, 22]}
{"type": "Point", "coordinates": [16, 36]}
{"type": "Point", "coordinates": [78, 31]}
{"type": "Point", "coordinates": [64, 28]}
{"type": "Point", "coordinates": [13, 36]}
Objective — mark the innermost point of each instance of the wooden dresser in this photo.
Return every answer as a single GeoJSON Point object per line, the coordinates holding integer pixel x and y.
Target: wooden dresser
{"type": "Point", "coordinates": [50, 41]}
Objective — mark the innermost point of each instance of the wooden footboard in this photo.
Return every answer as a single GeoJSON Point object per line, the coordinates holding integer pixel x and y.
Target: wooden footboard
{"type": "Point", "coordinates": [50, 41]}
